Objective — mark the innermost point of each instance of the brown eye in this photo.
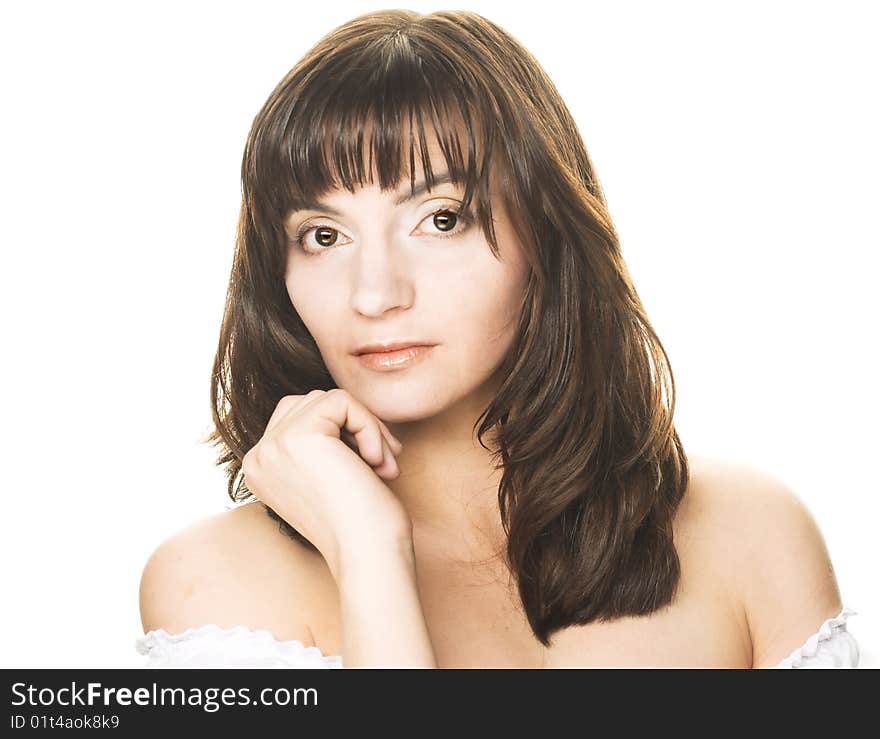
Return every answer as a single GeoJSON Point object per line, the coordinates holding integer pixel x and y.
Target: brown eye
{"type": "Point", "coordinates": [445, 220]}
{"type": "Point", "coordinates": [326, 236]}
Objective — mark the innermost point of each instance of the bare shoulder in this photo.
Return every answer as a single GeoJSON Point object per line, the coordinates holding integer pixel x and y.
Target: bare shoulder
{"type": "Point", "coordinates": [233, 568]}
{"type": "Point", "coordinates": [770, 547]}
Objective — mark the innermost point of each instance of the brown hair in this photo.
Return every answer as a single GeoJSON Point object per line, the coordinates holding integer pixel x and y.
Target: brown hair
{"type": "Point", "coordinates": [593, 468]}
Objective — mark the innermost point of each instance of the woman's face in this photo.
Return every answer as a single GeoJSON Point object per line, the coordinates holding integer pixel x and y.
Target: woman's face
{"type": "Point", "coordinates": [379, 268]}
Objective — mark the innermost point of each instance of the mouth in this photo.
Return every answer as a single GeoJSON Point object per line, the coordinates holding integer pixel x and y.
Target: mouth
{"type": "Point", "coordinates": [389, 346]}
{"type": "Point", "coordinates": [393, 357]}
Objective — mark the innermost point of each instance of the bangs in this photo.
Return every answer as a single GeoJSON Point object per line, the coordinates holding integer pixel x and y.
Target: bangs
{"type": "Point", "coordinates": [353, 117]}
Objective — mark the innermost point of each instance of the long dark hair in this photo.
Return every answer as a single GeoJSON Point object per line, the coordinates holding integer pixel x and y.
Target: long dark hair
{"type": "Point", "coordinates": [593, 468]}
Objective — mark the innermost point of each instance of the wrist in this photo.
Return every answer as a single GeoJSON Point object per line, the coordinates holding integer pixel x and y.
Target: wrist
{"type": "Point", "coordinates": [373, 561]}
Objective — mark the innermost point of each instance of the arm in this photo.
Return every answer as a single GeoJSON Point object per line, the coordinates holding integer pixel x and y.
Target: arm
{"type": "Point", "coordinates": [306, 469]}
{"type": "Point", "coordinates": [790, 588]}
{"type": "Point", "coordinates": [382, 620]}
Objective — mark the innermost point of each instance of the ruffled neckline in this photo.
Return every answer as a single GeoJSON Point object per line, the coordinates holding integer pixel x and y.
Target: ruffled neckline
{"type": "Point", "coordinates": [295, 647]}
{"type": "Point", "coordinates": [291, 646]}
{"type": "Point", "coordinates": [828, 629]}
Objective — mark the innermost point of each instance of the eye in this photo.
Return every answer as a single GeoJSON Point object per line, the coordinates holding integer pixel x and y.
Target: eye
{"type": "Point", "coordinates": [325, 237]}
{"type": "Point", "coordinates": [445, 220]}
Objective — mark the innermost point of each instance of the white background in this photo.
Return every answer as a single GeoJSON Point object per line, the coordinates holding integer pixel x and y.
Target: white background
{"type": "Point", "coordinates": [738, 147]}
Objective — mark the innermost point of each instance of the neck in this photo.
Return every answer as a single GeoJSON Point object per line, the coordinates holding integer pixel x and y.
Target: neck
{"type": "Point", "coordinates": [448, 483]}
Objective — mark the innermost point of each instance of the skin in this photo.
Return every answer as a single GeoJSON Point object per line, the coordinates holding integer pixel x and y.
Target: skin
{"type": "Point", "coordinates": [756, 580]}
{"type": "Point", "coordinates": [391, 274]}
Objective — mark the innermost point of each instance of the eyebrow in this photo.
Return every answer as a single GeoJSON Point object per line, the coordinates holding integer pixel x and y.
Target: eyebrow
{"type": "Point", "coordinates": [420, 187]}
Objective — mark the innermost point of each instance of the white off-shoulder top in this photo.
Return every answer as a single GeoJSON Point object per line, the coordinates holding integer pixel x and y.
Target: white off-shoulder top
{"type": "Point", "coordinates": [832, 646]}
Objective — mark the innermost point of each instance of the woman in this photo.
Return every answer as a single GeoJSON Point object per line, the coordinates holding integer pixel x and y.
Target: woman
{"type": "Point", "coordinates": [439, 384]}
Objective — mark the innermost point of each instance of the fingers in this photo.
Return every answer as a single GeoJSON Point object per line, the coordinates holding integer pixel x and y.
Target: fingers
{"type": "Point", "coordinates": [390, 438]}
{"type": "Point", "coordinates": [370, 441]}
{"type": "Point", "coordinates": [388, 468]}
{"type": "Point", "coordinates": [356, 425]}
{"type": "Point", "coordinates": [349, 439]}
{"type": "Point", "coordinates": [290, 403]}
{"type": "Point", "coordinates": [375, 443]}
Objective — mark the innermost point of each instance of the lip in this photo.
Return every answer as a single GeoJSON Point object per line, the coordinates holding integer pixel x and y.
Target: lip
{"type": "Point", "coordinates": [389, 346]}
{"type": "Point", "coordinates": [396, 358]}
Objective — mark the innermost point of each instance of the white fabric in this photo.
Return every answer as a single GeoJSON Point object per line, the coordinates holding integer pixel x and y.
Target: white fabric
{"type": "Point", "coordinates": [832, 646]}
{"type": "Point", "coordinates": [239, 646]}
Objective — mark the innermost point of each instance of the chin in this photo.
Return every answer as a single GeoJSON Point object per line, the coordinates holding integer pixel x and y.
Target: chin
{"type": "Point", "coordinates": [402, 409]}
{"type": "Point", "coordinates": [412, 396]}
{"type": "Point", "coordinates": [400, 403]}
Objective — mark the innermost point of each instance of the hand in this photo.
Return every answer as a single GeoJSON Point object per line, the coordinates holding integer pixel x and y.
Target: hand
{"type": "Point", "coordinates": [318, 466]}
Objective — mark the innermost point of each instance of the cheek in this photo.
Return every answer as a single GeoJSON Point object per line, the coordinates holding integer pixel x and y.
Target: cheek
{"type": "Point", "coordinates": [483, 309]}
{"type": "Point", "coordinates": [503, 315]}
{"type": "Point", "coordinates": [312, 305]}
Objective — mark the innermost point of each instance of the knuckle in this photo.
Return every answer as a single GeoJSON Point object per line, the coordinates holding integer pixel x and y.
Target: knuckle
{"type": "Point", "coordinates": [248, 461]}
{"type": "Point", "coordinates": [287, 444]}
{"type": "Point", "coordinates": [283, 445]}
{"type": "Point", "coordinates": [309, 396]}
{"type": "Point", "coordinates": [284, 402]}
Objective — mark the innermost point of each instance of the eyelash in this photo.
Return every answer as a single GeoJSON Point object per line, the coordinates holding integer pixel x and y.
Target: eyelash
{"type": "Point", "coordinates": [462, 218]}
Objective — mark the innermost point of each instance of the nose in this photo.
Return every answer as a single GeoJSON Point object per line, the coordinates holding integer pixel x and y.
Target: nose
{"type": "Point", "coordinates": [380, 282]}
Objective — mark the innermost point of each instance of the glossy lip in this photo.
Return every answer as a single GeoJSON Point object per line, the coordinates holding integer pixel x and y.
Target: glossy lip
{"type": "Point", "coordinates": [398, 359]}
{"type": "Point", "coordinates": [389, 346]}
